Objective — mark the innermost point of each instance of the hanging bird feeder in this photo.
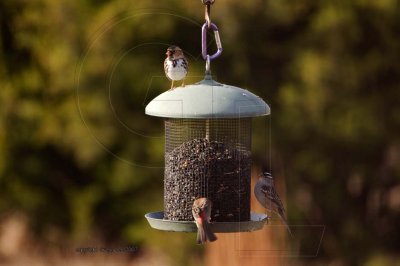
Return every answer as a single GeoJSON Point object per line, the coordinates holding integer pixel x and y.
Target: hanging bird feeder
{"type": "Point", "coordinates": [207, 151]}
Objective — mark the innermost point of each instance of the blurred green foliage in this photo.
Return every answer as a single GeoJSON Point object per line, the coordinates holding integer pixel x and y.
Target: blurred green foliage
{"type": "Point", "coordinates": [78, 154]}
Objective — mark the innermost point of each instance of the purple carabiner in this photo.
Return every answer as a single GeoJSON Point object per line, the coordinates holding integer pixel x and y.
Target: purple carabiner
{"type": "Point", "coordinates": [204, 41]}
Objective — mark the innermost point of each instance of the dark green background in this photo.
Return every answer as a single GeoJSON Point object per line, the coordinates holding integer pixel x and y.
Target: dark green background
{"type": "Point", "coordinates": [78, 155]}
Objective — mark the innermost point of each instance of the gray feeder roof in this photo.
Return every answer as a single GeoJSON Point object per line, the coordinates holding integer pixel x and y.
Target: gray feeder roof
{"type": "Point", "coordinates": [207, 99]}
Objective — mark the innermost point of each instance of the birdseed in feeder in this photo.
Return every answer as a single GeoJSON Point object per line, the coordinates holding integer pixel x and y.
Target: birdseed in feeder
{"type": "Point", "coordinates": [212, 169]}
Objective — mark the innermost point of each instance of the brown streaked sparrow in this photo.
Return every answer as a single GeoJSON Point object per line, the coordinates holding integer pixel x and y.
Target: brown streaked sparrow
{"type": "Point", "coordinates": [175, 65]}
{"type": "Point", "coordinates": [267, 196]}
{"type": "Point", "coordinates": [201, 211]}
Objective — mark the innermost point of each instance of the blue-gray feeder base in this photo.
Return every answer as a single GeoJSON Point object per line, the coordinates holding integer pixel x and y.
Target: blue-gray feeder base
{"type": "Point", "coordinates": [257, 221]}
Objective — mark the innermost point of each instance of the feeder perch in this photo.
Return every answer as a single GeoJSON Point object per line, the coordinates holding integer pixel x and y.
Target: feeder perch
{"type": "Point", "coordinates": [207, 154]}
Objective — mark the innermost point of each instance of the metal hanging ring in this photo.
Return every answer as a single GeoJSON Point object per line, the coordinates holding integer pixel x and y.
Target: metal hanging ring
{"type": "Point", "coordinates": [204, 41]}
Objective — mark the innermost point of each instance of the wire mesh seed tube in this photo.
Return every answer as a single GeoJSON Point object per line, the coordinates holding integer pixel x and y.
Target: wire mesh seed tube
{"type": "Point", "coordinates": [208, 158]}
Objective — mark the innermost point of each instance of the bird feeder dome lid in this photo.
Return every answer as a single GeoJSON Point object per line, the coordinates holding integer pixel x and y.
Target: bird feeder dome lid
{"type": "Point", "coordinates": [207, 99]}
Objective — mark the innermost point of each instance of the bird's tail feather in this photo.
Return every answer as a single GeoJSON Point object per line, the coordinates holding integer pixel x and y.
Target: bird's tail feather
{"type": "Point", "coordinates": [209, 234]}
{"type": "Point", "coordinates": [201, 235]}
{"type": "Point", "coordinates": [205, 234]}
{"type": "Point", "coordinates": [283, 218]}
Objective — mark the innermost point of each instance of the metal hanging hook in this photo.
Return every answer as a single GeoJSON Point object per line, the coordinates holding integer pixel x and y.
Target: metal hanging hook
{"type": "Point", "coordinates": [207, 14]}
{"type": "Point", "coordinates": [204, 41]}
{"type": "Point", "coordinates": [209, 25]}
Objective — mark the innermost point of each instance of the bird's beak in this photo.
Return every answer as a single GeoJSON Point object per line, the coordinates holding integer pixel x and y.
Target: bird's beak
{"type": "Point", "coordinates": [168, 53]}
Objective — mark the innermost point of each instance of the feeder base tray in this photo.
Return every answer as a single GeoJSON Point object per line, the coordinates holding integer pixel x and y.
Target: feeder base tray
{"type": "Point", "coordinates": [156, 221]}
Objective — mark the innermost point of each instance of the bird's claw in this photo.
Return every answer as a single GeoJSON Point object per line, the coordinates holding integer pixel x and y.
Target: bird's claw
{"type": "Point", "coordinates": [266, 219]}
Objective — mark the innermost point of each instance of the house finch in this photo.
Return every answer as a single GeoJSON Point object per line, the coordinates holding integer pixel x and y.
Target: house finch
{"type": "Point", "coordinates": [175, 65]}
{"type": "Point", "coordinates": [202, 213]}
{"type": "Point", "coordinates": [268, 197]}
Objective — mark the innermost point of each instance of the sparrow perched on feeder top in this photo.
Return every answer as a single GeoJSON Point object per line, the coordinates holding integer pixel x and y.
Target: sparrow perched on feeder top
{"type": "Point", "coordinates": [201, 211]}
{"type": "Point", "coordinates": [175, 65]}
{"type": "Point", "coordinates": [267, 196]}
